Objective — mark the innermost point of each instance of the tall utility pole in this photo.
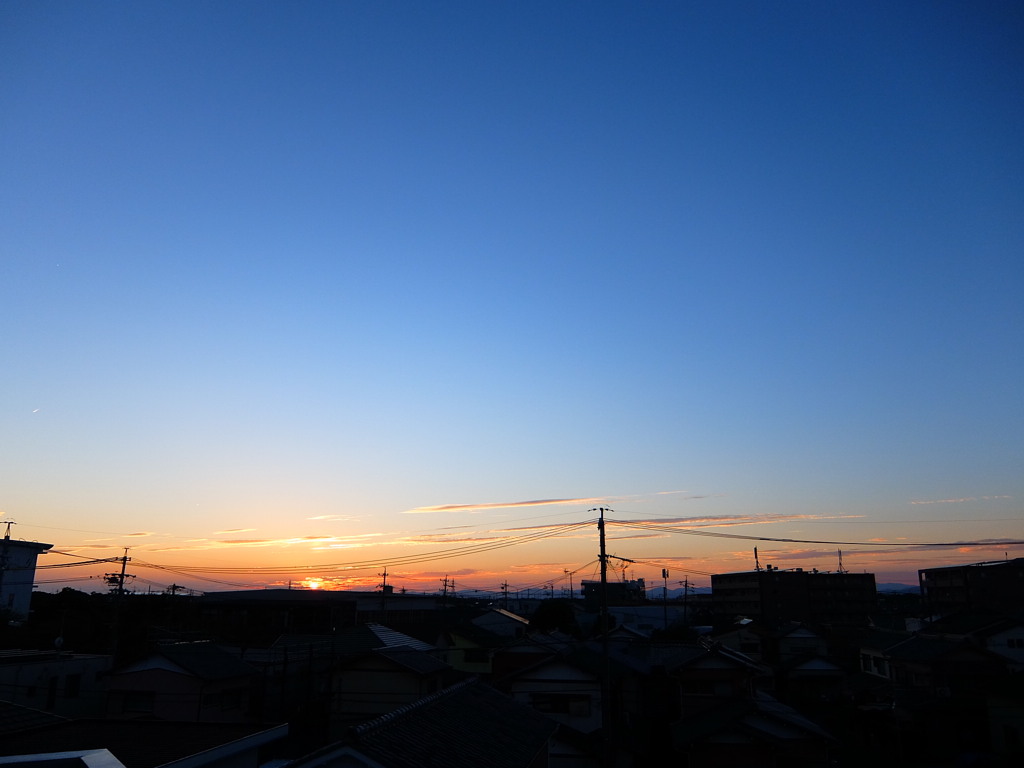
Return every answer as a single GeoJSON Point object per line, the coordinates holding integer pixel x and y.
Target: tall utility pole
{"type": "Point", "coordinates": [384, 593]}
{"type": "Point", "coordinates": [117, 581]}
{"type": "Point", "coordinates": [664, 597]}
{"type": "Point", "coordinates": [686, 600]}
{"type": "Point", "coordinates": [603, 623]}
{"type": "Point", "coordinates": [504, 592]}
{"type": "Point", "coordinates": [603, 557]}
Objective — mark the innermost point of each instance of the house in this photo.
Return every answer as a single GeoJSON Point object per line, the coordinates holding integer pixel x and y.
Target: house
{"type": "Point", "coordinates": [183, 682]}
{"type": "Point", "coordinates": [467, 725]}
{"type": "Point", "coordinates": [383, 680]}
{"type": "Point", "coordinates": [949, 696]}
{"type": "Point", "coordinates": [68, 684]}
{"type": "Point", "coordinates": [34, 739]}
{"type": "Point", "coordinates": [299, 675]}
{"type": "Point", "coordinates": [479, 644]}
{"type": "Point", "coordinates": [565, 691]}
{"type": "Point", "coordinates": [503, 623]}
{"type": "Point", "coordinates": [998, 633]}
{"type": "Point", "coordinates": [469, 648]}
{"type": "Point", "coordinates": [758, 731]}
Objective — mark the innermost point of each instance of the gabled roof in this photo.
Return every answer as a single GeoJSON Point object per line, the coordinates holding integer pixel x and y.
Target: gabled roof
{"type": "Point", "coordinates": [142, 743]}
{"type": "Point", "coordinates": [353, 641]}
{"type": "Point", "coordinates": [18, 719]}
{"type": "Point", "coordinates": [965, 624]}
{"type": "Point", "coordinates": [645, 658]}
{"type": "Point", "coordinates": [883, 639]}
{"type": "Point", "coordinates": [920, 648]}
{"type": "Point", "coordinates": [203, 660]}
{"type": "Point", "coordinates": [390, 638]}
{"type": "Point", "coordinates": [761, 719]}
{"type": "Point", "coordinates": [466, 726]}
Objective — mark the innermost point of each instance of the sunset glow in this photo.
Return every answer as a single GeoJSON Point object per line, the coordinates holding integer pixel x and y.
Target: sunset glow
{"type": "Point", "coordinates": [303, 297]}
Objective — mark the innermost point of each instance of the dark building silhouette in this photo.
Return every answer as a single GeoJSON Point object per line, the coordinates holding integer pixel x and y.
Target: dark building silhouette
{"type": "Point", "coordinates": [772, 596]}
{"type": "Point", "coordinates": [17, 572]}
{"type": "Point", "coordinates": [995, 585]}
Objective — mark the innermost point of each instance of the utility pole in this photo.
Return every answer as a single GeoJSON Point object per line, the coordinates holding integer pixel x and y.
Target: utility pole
{"type": "Point", "coordinates": [504, 592]}
{"type": "Point", "coordinates": [664, 597]}
{"type": "Point", "coordinates": [568, 573]}
{"type": "Point", "coordinates": [384, 593]}
{"type": "Point", "coordinates": [603, 623]}
{"type": "Point", "coordinates": [686, 600]}
{"type": "Point", "coordinates": [117, 581]}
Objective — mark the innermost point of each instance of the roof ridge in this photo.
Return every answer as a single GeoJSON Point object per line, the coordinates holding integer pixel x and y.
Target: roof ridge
{"type": "Point", "coordinates": [395, 714]}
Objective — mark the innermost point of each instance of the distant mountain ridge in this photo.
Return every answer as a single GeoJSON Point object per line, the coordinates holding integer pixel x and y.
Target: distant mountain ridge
{"type": "Point", "coordinates": [894, 586]}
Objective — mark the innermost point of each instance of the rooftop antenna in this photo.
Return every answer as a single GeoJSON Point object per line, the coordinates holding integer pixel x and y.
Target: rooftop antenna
{"type": "Point", "coordinates": [757, 563]}
{"type": "Point", "coordinates": [841, 569]}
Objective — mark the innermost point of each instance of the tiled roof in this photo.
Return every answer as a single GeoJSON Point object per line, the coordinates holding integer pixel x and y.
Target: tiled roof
{"type": "Point", "coordinates": [352, 641]}
{"type": "Point", "coordinates": [17, 719]}
{"type": "Point", "coordinates": [762, 719]}
{"type": "Point", "coordinates": [206, 661]}
{"type": "Point", "coordinates": [469, 725]}
{"type": "Point", "coordinates": [921, 648]}
{"type": "Point", "coordinates": [391, 638]}
{"type": "Point", "coordinates": [136, 743]}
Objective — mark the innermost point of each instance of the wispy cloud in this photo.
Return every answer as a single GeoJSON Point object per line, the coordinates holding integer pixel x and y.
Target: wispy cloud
{"type": "Point", "coordinates": [498, 505]}
{"type": "Point", "coordinates": [722, 521]}
{"type": "Point", "coordinates": [960, 500]}
{"type": "Point", "coordinates": [333, 518]}
{"type": "Point", "coordinates": [233, 530]}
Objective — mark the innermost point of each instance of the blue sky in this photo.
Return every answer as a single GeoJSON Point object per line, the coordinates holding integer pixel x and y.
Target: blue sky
{"type": "Point", "coordinates": [270, 262]}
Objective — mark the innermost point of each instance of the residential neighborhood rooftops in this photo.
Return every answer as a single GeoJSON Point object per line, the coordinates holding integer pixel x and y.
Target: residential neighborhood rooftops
{"type": "Point", "coordinates": [465, 726]}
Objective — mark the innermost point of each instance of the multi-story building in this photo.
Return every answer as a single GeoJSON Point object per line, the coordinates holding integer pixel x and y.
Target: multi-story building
{"type": "Point", "coordinates": [772, 596]}
{"type": "Point", "coordinates": [17, 572]}
{"type": "Point", "coordinates": [995, 586]}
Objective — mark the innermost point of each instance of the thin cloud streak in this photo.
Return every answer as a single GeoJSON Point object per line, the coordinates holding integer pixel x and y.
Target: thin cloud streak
{"type": "Point", "coordinates": [498, 505]}
{"type": "Point", "coordinates": [960, 500]}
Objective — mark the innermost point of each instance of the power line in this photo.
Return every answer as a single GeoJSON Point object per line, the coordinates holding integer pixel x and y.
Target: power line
{"type": "Point", "coordinates": [470, 549]}
{"type": "Point", "coordinates": [719, 535]}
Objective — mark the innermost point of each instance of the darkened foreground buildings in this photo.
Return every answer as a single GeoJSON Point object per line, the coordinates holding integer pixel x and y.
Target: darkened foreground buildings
{"type": "Point", "coordinates": [994, 585]}
{"type": "Point", "coordinates": [795, 668]}
{"type": "Point", "coordinates": [17, 572]}
{"type": "Point", "coordinates": [771, 596]}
